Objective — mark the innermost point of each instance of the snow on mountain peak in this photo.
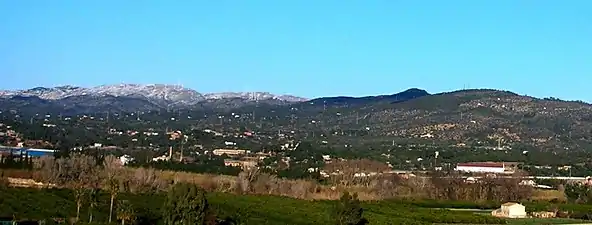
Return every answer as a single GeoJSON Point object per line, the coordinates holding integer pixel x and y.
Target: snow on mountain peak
{"type": "Point", "coordinates": [159, 93]}
{"type": "Point", "coordinates": [253, 96]}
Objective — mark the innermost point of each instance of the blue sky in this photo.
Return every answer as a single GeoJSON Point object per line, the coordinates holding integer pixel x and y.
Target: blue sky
{"type": "Point", "coordinates": [303, 47]}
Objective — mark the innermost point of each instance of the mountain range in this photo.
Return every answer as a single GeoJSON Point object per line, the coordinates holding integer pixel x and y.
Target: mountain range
{"type": "Point", "coordinates": [173, 94]}
{"type": "Point", "coordinates": [136, 97]}
{"type": "Point", "coordinates": [128, 97]}
{"type": "Point", "coordinates": [477, 117]}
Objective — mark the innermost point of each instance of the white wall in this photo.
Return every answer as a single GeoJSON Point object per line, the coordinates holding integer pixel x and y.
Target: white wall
{"type": "Point", "coordinates": [516, 211]}
{"type": "Point", "coordinates": [475, 169]}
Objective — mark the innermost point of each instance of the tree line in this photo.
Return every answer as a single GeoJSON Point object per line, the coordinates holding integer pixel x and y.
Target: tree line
{"type": "Point", "coordinates": [89, 176]}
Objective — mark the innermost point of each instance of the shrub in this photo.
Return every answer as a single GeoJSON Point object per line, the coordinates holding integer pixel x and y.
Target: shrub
{"type": "Point", "coordinates": [126, 212]}
{"type": "Point", "coordinates": [186, 204]}
{"type": "Point", "coordinates": [4, 183]}
{"type": "Point", "coordinates": [347, 211]}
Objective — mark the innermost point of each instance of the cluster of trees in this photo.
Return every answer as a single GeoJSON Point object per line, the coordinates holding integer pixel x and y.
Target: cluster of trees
{"type": "Point", "coordinates": [201, 164]}
{"type": "Point", "coordinates": [500, 189]}
{"type": "Point", "coordinates": [88, 176]}
{"type": "Point", "coordinates": [15, 161]}
{"type": "Point", "coordinates": [85, 175]}
{"type": "Point", "coordinates": [355, 172]}
{"type": "Point", "coordinates": [578, 193]}
{"type": "Point", "coordinates": [185, 204]}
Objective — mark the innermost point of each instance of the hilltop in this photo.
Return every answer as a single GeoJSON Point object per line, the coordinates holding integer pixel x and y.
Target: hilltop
{"type": "Point", "coordinates": [475, 117]}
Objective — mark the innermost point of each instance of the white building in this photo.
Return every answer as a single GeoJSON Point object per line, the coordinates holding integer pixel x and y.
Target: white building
{"type": "Point", "coordinates": [230, 152]}
{"type": "Point", "coordinates": [161, 158]}
{"type": "Point", "coordinates": [125, 159]}
{"type": "Point", "coordinates": [510, 210]}
{"type": "Point", "coordinates": [481, 167]}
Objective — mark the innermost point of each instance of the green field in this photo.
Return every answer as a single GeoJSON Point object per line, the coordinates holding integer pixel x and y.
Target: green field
{"type": "Point", "coordinates": [44, 204]}
{"type": "Point", "coordinates": [534, 221]}
{"type": "Point", "coordinates": [545, 221]}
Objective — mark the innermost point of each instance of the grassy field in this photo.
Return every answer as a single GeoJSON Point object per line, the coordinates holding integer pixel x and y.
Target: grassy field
{"type": "Point", "coordinates": [28, 203]}
{"type": "Point", "coordinates": [535, 221]}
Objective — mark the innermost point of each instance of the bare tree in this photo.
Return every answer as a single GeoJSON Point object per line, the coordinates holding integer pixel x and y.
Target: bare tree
{"type": "Point", "coordinates": [78, 172]}
{"type": "Point", "coordinates": [246, 179]}
{"type": "Point", "coordinates": [358, 171]}
{"type": "Point", "coordinates": [81, 177]}
{"type": "Point", "coordinates": [93, 200]}
{"type": "Point", "coordinates": [387, 185]}
{"type": "Point", "coordinates": [146, 180]}
{"type": "Point", "coordinates": [112, 172]}
{"type": "Point", "coordinates": [47, 171]}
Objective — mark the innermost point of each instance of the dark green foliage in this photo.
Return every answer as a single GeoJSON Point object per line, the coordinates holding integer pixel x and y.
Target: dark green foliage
{"type": "Point", "coordinates": [3, 182]}
{"type": "Point", "coordinates": [93, 202]}
{"type": "Point", "coordinates": [237, 209]}
{"type": "Point", "coordinates": [578, 193]}
{"type": "Point", "coordinates": [445, 204]}
{"type": "Point", "coordinates": [186, 204]}
{"type": "Point", "coordinates": [126, 212]}
{"type": "Point", "coordinates": [14, 160]}
{"type": "Point", "coordinates": [348, 211]}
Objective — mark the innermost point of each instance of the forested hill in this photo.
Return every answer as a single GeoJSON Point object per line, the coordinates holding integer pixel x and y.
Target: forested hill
{"type": "Point", "coordinates": [488, 118]}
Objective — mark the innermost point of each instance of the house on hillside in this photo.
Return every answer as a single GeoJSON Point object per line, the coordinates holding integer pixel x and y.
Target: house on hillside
{"type": "Point", "coordinates": [510, 210]}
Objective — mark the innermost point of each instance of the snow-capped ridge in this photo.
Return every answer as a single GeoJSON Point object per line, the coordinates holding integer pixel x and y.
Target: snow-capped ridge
{"type": "Point", "coordinates": [254, 96]}
{"type": "Point", "coordinates": [162, 94]}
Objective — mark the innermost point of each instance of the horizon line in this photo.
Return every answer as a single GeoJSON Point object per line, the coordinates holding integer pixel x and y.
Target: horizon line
{"type": "Point", "coordinates": [305, 97]}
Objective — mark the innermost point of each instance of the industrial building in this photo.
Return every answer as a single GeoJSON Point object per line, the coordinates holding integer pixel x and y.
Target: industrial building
{"type": "Point", "coordinates": [481, 167]}
{"type": "Point", "coordinates": [33, 152]}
